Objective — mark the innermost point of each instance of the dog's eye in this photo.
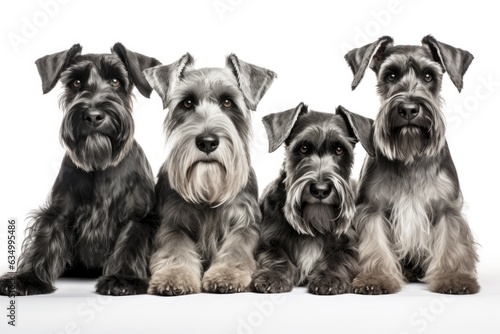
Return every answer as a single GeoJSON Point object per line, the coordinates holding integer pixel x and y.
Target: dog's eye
{"type": "Point", "coordinates": [339, 151]}
{"type": "Point", "coordinates": [188, 104]}
{"type": "Point", "coordinates": [304, 148]}
{"type": "Point", "coordinates": [428, 77]}
{"type": "Point", "coordinates": [114, 83]}
{"type": "Point", "coordinates": [76, 83]}
{"type": "Point", "coordinates": [391, 77]}
{"type": "Point", "coordinates": [227, 103]}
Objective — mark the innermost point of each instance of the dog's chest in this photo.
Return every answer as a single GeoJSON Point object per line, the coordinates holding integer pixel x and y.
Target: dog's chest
{"type": "Point", "coordinates": [411, 201]}
{"type": "Point", "coordinates": [98, 218]}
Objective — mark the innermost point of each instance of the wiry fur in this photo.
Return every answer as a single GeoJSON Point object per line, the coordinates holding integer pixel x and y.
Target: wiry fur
{"type": "Point", "coordinates": [409, 201]}
{"type": "Point", "coordinates": [306, 236]}
{"type": "Point", "coordinates": [206, 200]}
{"type": "Point", "coordinates": [97, 220]}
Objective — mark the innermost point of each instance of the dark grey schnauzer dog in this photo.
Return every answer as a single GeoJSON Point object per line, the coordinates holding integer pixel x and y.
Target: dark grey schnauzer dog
{"type": "Point", "coordinates": [409, 204]}
{"type": "Point", "coordinates": [206, 191]}
{"type": "Point", "coordinates": [306, 233]}
{"type": "Point", "coordinates": [94, 223]}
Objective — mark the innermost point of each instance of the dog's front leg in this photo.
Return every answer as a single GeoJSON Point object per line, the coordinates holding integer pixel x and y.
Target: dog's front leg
{"type": "Point", "coordinates": [126, 271]}
{"type": "Point", "coordinates": [452, 267]}
{"type": "Point", "coordinates": [276, 273]}
{"type": "Point", "coordinates": [46, 252]}
{"type": "Point", "coordinates": [175, 265]}
{"type": "Point", "coordinates": [380, 270]}
{"type": "Point", "coordinates": [337, 268]}
{"type": "Point", "coordinates": [234, 264]}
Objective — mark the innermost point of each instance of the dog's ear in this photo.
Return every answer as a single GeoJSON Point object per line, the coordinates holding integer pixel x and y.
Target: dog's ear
{"type": "Point", "coordinates": [360, 128]}
{"type": "Point", "coordinates": [50, 67]}
{"type": "Point", "coordinates": [371, 54]}
{"type": "Point", "coordinates": [455, 61]}
{"type": "Point", "coordinates": [135, 63]}
{"type": "Point", "coordinates": [279, 125]}
{"type": "Point", "coordinates": [252, 80]}
{"type": "Point", "coordinates": [164, 77]}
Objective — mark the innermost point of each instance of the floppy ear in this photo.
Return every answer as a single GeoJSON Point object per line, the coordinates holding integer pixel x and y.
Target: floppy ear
{"type": "Point", "coordinates": [50, 67]}
{"type": "Point", "coordinates": [135, 63]}
{"type": "Point", "coordinates": [279, 125]}
{"type": "Point", "coordinates": [371, 54]}
{"type": "Point", "coordinates": [164, 77]}
{"type": "Point", "coordinates": [360, 128]}
{"type": "Point", "coordinates": [252, 80]}
{"type": "Point", "coordinates": [455, 61]}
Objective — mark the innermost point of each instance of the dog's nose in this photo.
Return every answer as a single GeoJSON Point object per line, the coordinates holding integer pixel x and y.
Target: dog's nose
{"type": "Point", "coordinates": [320, 190]}
{"type": "Point", "coordinates": [207, 143]}
{"type": "Point", "coordinates": [93, 117]}
{"type": "Point", "coordinates": [408, 110]}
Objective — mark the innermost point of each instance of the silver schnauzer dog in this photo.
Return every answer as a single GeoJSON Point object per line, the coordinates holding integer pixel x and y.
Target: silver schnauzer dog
{"type": "Point", "coordinates": [97, 220]}
{"type": "Point", "coordinates": [206, 191]}
{"type": "Point", "coordinates": [409, 204]}
{"type": "Point", "coordinates": [306, 233]}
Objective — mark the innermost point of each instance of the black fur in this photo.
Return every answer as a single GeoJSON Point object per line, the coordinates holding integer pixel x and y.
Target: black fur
{"type": "Point", "coordinates": [98, 219]}
{"type": "Point", "coordinates": [313, 246]}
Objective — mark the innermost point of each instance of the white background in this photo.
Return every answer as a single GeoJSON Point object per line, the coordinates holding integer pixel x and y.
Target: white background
{"type": "Point", "coordinates": [304, 43]}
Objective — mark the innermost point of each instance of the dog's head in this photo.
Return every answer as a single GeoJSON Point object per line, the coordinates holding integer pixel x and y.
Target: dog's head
{"type": "Point", "coordinates": [208, 125]}
{"type": "Point", "coordinates": [97, 129]}
{"type": "Point", "coordinates": [410, 124]}
{"type": "Point", "coordinates": [318, 163]}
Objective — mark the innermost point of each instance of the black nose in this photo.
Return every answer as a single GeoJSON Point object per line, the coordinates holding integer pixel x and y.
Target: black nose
{"type": "Point", "coordinates": [320, 190]}
{"type": "Point", "coordinates": [94, 117]}
{"type": "Point", "coordinates": [207, 143]}
{"type": "Point", "coordinates": [408, 110]}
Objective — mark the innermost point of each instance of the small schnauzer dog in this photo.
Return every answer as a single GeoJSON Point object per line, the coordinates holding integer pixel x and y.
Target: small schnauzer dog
{"type": "Point", "coordinates": [206, 193]}
{"type": "Point", "coordinates": [409, 204]}
{"type": "Point", "coordinates": [97, 218]}
{"type": "Point", "coordinates": [306, 232]}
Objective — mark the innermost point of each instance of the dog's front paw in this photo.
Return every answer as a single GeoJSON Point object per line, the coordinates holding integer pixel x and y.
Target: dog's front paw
{"type": "Point", "coordinates": [117, 285]}
{"type": "Point", "coordinates": [267, 281]}
{"type": "Point", "coordinates": [329, 284]}
{"type": "Point", "coordinates": [455, 285]}
{"type": "Point", "coordinates": [373, 284]}
{"type": "Point", "coordinates": [174, 282]}
{"type": "Point", "coordinates": [226, 279]}
{"type": "Point", "coordinates": [23, 284]}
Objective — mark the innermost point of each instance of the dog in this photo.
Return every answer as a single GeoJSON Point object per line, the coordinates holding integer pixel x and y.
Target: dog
{"type": "Point", "coordinates": [409, 203]}
{"type": "Point", "coordinates": [206, 192]}
{"type": "Point", "coordinates": [97, 220]}
{"type": "Point", "coordinates": [306, 232]}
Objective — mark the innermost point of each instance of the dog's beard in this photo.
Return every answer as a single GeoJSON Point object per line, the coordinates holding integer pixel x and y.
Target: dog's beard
{"type": "Point", "coordinates": [412, 141]}
{"type": "Point", "coordinates": [205, 182]}
{"type": "Point", "coordinates": [321, 217]}
{"type": "Point", "coordinates": [211, 179]}
{"type": "Point", "coordinates": [333, 216]}
{"type": "Point", "coordinates": [97, 149]}
{"type": "Point", "coordinates": [93, 152]}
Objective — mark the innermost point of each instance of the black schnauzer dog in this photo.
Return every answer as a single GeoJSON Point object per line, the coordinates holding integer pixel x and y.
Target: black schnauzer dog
{"type": "Point", "coordinates": [97, 220]}
{"type": "Point", "coordinates": [306, 233]}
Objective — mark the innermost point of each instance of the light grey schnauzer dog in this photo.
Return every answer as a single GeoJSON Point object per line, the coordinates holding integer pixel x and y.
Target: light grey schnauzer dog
{"type": "Point", "coordinates": [306, 234]}
{"type": "Point", "coordinates": [409, 204]}
{"type": "Point", "coordinates": [207, 197]}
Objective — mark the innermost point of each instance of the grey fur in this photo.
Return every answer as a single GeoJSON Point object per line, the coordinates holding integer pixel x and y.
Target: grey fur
{"type": "Point", "coordinates": [306, 236]}
{"type": "Point", "coordinates": [207, 199]}
{"type": "Point", "coordinates": [409, 202]}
